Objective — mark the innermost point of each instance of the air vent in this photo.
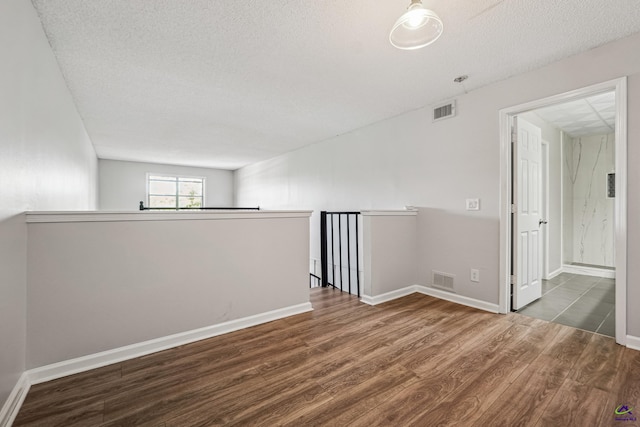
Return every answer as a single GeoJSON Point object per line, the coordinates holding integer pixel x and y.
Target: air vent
{"type": "Point", "coordinates": [443, 280]}
{"type": "Point", "coordinates": [444, 111]}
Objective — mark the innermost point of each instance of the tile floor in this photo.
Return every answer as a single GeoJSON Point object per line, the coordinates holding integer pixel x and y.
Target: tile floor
{"type": "Point", "coordinates": [583, 302]}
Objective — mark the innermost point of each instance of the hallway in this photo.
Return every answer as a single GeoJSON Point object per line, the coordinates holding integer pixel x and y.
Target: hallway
{"type": "Point", "coordinates": [583, 302]}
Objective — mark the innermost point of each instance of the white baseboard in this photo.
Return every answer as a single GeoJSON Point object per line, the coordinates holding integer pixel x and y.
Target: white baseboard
{"type": "Point", "coordinates": [97, 360]}
{"type": "Point", "coordinates": [589, 271]}
{"type": "Point", "coordinates": [389, 296]}
{"type": "Point", "coordinates": [555, 273]}
{"type": "Point", "coordinates": [459, 299]}
{"type": "Point", "coordinates": [633, 342]}
{"type": "Point", "coordinates": [12, 406]}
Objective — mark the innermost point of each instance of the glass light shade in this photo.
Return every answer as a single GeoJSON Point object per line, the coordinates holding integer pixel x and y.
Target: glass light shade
{"type": "Point", "coordinates": [416, 28]}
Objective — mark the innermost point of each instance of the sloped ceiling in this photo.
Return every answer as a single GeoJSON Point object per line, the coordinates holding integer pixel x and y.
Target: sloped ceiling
{"type": "Point", "coordinates": [224, 83]}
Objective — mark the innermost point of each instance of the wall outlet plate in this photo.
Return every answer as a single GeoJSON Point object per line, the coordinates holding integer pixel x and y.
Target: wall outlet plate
{"type": "Point", "coordinates": [473, 204]}
{"type": "Point", "coordinates": [474, 275]}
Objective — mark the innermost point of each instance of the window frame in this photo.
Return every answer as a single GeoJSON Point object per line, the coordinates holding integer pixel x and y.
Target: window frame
{"type": "Point", "coordinates": [178, 177]}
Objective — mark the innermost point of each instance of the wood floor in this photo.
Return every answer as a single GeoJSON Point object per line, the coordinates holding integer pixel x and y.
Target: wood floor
{"type": "Point", "coordinates": [413, 361]}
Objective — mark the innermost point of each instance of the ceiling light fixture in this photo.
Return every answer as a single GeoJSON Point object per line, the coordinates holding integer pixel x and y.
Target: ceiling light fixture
{"type": "Point", "coordinates": [417, 27]}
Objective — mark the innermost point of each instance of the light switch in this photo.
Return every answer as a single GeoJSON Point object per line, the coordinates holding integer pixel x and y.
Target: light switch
{"type": "Point", "coordinates": [473, 204]}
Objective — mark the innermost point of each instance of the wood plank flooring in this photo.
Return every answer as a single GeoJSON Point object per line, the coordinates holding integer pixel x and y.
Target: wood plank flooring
{"type": "Point", "coordinates": [415, 361]}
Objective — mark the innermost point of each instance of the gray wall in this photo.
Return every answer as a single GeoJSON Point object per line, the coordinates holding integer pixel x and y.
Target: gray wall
{"type": "Point", "coordinates": [124, 184]}
{"type": "Point", "coordinates": [96, 286]}
{"type": "Point", "coordinates": [46, 162]}
{"type": "Point", "coordinates": [390, 251]}
{"type": "Point", "coordinates": [633, 208]}
{"type": "Point", "coordinates": [409, 160]}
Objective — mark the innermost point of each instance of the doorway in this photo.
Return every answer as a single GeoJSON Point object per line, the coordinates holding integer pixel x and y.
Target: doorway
{"type": "Point", "coordinates": [577, 154]}
{"type": "Point", "coordinates": [507, 120]}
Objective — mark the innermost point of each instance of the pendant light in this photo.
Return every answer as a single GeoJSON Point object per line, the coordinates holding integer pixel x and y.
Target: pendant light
{"type": "Point", "coordinates": [416, 28]}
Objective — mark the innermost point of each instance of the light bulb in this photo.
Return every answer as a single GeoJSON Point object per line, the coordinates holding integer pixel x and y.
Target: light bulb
{"type": "Point", "coordinates": [416, 19]}
{"type": "Point", "coordinates": [418, 27]}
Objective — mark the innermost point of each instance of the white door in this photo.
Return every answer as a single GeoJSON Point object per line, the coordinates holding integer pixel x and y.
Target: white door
{"type": "Point", "coordinates": [527, 220]}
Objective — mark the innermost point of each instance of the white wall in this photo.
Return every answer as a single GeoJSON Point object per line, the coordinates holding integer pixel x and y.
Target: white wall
{"type": "Point", "coordinates": [97, 286]}
{"type": "Point", "coordinates": [593, 238]}
{"type": "Point", "coordinates": [46, 162]}
{"type": "Point", "coordinates": [408, 160]}
{"type": "Point", "coordinates": [124, 184]}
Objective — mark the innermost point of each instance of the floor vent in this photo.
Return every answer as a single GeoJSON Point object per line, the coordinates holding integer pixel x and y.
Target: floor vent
{"type": "Point", "coordinates": [443, 280]}
{"type": "Point", "coordinates": [444, 111]}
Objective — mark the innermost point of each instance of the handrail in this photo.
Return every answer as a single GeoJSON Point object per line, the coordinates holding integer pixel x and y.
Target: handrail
{"type": "Point", "coordinates": [327, 232]}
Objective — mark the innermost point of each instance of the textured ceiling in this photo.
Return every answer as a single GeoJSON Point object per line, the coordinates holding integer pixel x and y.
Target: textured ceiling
{"type": "Point", "coordinates": [595, 115]}
{"type": "Point", "coordinates": [224, 83]}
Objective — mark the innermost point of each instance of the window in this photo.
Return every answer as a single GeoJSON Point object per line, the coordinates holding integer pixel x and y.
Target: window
{"type": "Point", "coordinates": [175, 191]}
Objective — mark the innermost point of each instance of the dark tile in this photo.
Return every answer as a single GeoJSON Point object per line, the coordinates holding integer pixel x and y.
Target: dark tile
{"type": "Point", "coordinates": [601, 295]}
{"type": "Point", "coordinates": [564, 294]}
{"type": "Point", "coordinates": [608, 327]}
{"type": "Point", "coordinates": [590, 306]}
{"type": "Point", "coordinates": [587, 322]}
{"type": "Point", "coordinates": [607, 284]}
{"type": "Point", "coordinates": [586, 279]}
{"type": "Point", "coordinates": [580, 284]}
{"type": "Point", "coordinates": [543, 313]}
{"type": "Point", "coordinates": [549, 302]}
{"type": "Point", "coordinates": [561, 278]}
{"type": "Point", "coordinates": [578, 301]}
{"type": "Point", "coordinates": [548, 286]}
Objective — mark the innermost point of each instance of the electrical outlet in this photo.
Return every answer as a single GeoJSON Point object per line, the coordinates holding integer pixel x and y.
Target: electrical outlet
{"type": "Point", "coordinates": [473, 204]}
{"type": "Point", "coordinates": [475, 275]}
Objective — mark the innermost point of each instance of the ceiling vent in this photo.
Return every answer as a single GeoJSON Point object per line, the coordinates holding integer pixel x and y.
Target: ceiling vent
{"type": "Point", "coordinates": [445, 111]}
{"type": "Point", "coordinates": [443, 280]}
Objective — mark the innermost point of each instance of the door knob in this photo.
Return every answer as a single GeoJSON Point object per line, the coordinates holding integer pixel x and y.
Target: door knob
{"type": "Point", "coordinates": [542, 221]}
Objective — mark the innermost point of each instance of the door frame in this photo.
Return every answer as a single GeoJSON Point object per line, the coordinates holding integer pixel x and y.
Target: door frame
{"type": "Point", "coordinates": [545, 207]}
{"type": "Point", "coordinates": [619, 86]}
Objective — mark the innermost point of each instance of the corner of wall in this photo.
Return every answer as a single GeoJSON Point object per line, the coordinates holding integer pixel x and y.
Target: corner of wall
{"type": "Point", "coordinates": [11, 407]}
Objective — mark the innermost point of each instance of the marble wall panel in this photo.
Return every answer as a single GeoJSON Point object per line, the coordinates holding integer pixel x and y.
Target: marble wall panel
{"type": "Point", "coordinates": [588, 160]}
